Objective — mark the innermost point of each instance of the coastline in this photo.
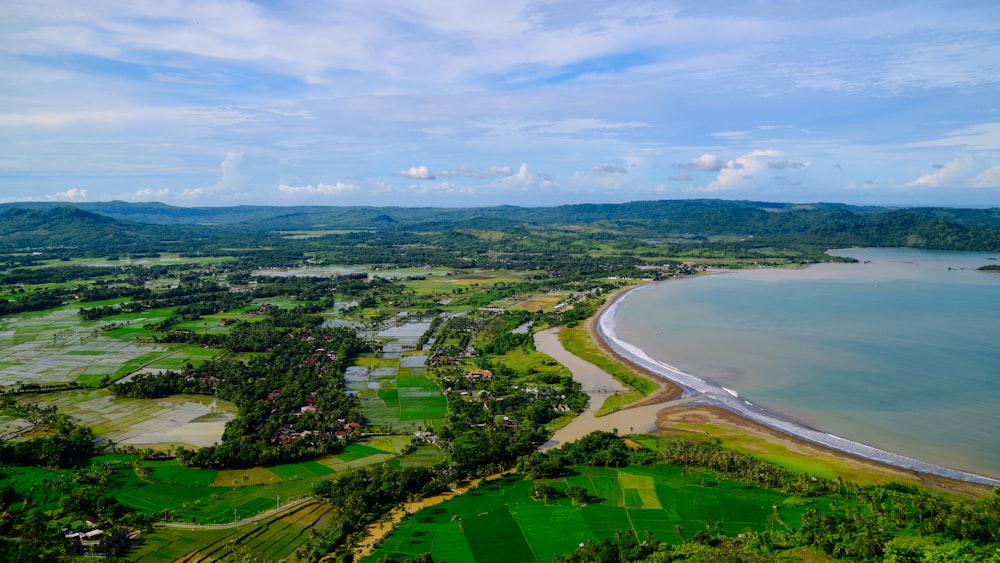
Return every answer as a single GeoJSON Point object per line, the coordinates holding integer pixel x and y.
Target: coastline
{"type": "Point", "coordinates": [695, 391]}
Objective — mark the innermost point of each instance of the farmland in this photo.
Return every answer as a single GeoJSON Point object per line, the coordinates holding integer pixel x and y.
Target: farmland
{"type": "Point", "coordinates": [192, 420]}
{"type": "Point", "coordinates": [398, 394]}
{"type": "Point", "coordinates": [271, 539]}
{"type": "Point", "coordinates": [501, 521]}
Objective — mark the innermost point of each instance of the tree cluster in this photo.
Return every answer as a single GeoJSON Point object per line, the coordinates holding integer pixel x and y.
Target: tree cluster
{"type": "Point", "coordinates": [291, 395]}
{"type": "Point", "coordinates": [62, 443]}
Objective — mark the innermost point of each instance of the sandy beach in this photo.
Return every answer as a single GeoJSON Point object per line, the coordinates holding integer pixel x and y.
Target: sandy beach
{"type": "Point", "coordinates": [684, 396]}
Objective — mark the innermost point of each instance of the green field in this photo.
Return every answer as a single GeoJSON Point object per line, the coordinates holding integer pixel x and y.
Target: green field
{"type": "Point", "coordinates": [399, 398]}
{"type": "Point", "coordinates": [271, 539]}
{"type": "Point", "coordinates": [207, 496]}
{"type": "Point", "coordinates": [502, 522]}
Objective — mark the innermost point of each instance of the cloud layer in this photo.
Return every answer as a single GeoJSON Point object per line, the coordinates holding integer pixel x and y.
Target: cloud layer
{"type": "Point", "coordinates": [524, 102]}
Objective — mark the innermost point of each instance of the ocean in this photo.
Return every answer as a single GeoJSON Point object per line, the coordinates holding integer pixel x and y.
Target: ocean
{"type": "Point", "coordinates": [900, 352]}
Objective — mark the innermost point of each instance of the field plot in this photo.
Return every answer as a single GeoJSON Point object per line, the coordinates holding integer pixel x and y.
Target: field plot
{"type": "Point", "coordinates": [58, 347]}
{"type": "Point", "coordinates": [396, 392]}
{"type": "Point", "coordinates": [413, 361]}
{"type": "Point", "coordinates": [400, 337]}
{"type": "Point", "coordinates": [445, 282]}
{"type": "Point", "coordinates": [192, 420]}
{"type": "Point", "coordinates": [420, 399]}
{"type": "Point", "coordinates": [272, 539]}
{"type": "Point", "coordinates": [221, 497]}
{"type": "Point", "coordinates": [505, 520]}
{"type": "Point", "coordinates": [546, 302]}
{"type": "Point", "coordinates": [422, 456]}
{"type": "Point", "coordinates": [196, 498]}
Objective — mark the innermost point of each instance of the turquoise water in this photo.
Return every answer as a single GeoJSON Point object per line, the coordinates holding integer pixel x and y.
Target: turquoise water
{"type": "Point", "coordinates": [900, 352]}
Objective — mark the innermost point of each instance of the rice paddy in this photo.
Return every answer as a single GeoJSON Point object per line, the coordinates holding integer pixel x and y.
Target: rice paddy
{"type": "Point", "coordinates": [397, 394]}
{"type": "Point", "coordinates": [57, 347]}
{"type": "Point", "coordinates": [188, 420]}
{"type": "Point", "coordinates": [271, 539]}
{"type": "Point", "coordinates": [502, 522]}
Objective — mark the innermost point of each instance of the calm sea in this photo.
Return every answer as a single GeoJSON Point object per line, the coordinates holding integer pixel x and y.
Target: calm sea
{"type": "Point", "coordinates": [900, 352]}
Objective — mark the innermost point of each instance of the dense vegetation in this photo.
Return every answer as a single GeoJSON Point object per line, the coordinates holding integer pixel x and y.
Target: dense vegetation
{"type": "Point", "coordinates": [59, 442]}
{"type": "Point", "coordinates": [449, 236]}
{"type": "Point", "coordinates": [277, 346]}
{"type": "Point", "coordinates": [291, 395]}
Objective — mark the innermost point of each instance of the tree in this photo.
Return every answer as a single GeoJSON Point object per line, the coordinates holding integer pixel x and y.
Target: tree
{"type": "Point", "coordinates": [544, 491]}
{"type": "Point", "coordinates": [577, 494]}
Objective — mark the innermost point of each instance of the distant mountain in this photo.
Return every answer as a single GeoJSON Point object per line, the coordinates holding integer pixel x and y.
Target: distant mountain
{"type": "Point", "coordinates": [347, 217]}
{"type": "Point", "coordinates": [73, 228]}
{"type": "Point", "coordinates": [123, 227]}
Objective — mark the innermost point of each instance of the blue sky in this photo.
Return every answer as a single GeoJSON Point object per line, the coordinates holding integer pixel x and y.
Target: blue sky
{"type": "Point", "coordinates": [522, 102]}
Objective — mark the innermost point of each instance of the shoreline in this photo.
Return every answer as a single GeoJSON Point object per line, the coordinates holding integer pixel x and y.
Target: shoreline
{"type": "Point", "coordinates": [678, 384]}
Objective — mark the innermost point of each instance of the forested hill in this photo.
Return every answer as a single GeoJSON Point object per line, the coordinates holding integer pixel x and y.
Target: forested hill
{"type": "Point", "coordinates": [141, 227]}
{"type": "Point", "coordinates": [66, 227]}
{"type": "Point", "coordinates": [299, 217]}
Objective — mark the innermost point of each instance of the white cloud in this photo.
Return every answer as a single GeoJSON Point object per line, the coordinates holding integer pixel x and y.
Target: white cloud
{"type": "Point", "coordinates": [867, 185]}
{"type": "Point", "coordinates": [442, 188]}
{"type": "Point", "coordinates": [983, 136]}
{"type": "Point", "coordinates": [520, 179]}
{"type": "Point", "coordinates": [945, 175]}
{"type": "Point", "coordinates": [581, 125]}
{"type": "Point", "coordinates": [703, 163]}
{"type": "Point", "coordinates": [468, 172]}
{"type": "Point", "coordinates": [150, 193]}
{"type": "Point", "coordinates": [319, 189]}
{"type": "Point", "coordinates": [989, 178]}
{"type": "Point", "coordinates": [417, 173]}
{"type": "Point", "coordinates": [231, 174]}
{"type": "Point", "coordinates": [72, 194]}
{"type": "Point", "coordinates": [606, 175]}
{"type": "Point", "coordinates": [192, 193]}
{"type": "Point", "coordinates": [742, 172]}
{"type": "Point", "coordinates": [731, 134]}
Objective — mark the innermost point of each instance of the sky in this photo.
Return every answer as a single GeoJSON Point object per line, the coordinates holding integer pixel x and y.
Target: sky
{"type": "Point", "coordinates": [461, 103]}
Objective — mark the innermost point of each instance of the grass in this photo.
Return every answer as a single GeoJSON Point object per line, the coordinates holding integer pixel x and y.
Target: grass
{"type": "Point", "coordinates": [371, 361]}
{"type": "Point", "coordinates": [422, 456]}
{"type": "Point", "coordinates": [814, 462]}
{"type": "Point", "coordinates": [544, 302]}
{"type": "Point", "coordinates": [357, 451]}
{"type": "Point", "coordinates": [523, 361]}
{"type": "Point", "coordinates": [437, 282]}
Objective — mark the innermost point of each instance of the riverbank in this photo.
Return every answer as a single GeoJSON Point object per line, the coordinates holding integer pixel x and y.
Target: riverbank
{"type": "Point", "coordinates": [599, 385]}
{"type": "Point", "coordinates": [680, 388]}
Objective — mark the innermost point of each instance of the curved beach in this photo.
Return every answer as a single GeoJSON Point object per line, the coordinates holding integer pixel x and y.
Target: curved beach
{"type": "Point", "coordinates": [700, 391]}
